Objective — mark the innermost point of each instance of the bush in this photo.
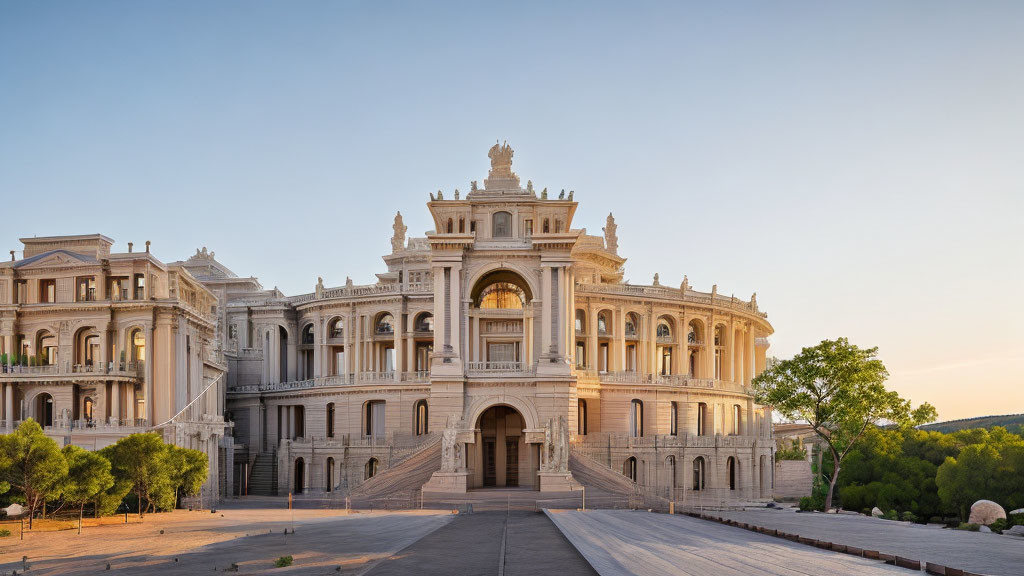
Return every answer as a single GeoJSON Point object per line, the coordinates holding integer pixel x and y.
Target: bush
{"type": "Point", "coordinates": [1014, 520]}
{"type": "Point", "coordinates": [909, 516]}
{"type": "Point", "coordinates": [283, 561]}
{"type": "Point", "coordinates": [809, 503]}
{"type": "Point", "coordinates": [4, 532]}
{"type": "Point", "coordinates": [891, 515]}
{"type": "Point", "coordinates": [968, 527]}
{"type": "Point", "coordinates": [935, 520]}
{"type": "Point", "coordinates": [866, 511]}
{"type": "Point", "coordinates": [999, 525]}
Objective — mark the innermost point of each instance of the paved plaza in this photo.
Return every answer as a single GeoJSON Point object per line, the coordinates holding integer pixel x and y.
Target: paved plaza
{"type": "Point", "coordinates": [972, 551]}
{"type": "Point", "coordinates": [618, 542]}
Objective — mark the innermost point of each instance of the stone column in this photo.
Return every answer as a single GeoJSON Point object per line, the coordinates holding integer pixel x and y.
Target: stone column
{"type": "Point", "coordinates": [148, 402]}
{"type": "Point", "coordinates": [456, 311]}
{"type": "Point", "coordinates": [591, 330]}
{"type": "Point", "coordinates": [684, 346]}
{"type": "Point", "coordinates": [115, 402]}
{"type": "Point", "coordinates": [475, 355]}
{"type": "Point", "coordinates": [399, 343]}
{"type": "Point", "coordinates": [652, 342]}
{"type": "Point", "coordinates": [619, 341]}
{"type": "Point", "coordinates": [318, 347]}
{"type": "Point", "coordinates": [9, 406]}
{"type": "Point", "coordinates": [129, 404]}
{"type": "Point", "coordinates": [410, 344]}
{"type": "Point", "coordinates": [545, 327]}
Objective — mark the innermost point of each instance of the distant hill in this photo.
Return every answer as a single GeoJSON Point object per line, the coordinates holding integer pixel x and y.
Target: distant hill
{"type": "Point", "coordinates": [1013, 422]}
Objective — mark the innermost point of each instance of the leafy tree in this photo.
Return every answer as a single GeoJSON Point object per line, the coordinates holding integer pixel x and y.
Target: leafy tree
{"type": "Point", "coordinates": [795, 451]}
{"type": "Point", "coordinates": [140, 459]}
{"type": "Point", "coordinates": [187, 469]}
{"type": "Point", "coordinates": [839, 390]}
{"type": "Point", "coordinates": [32, 463]}
{"type": "Point", "coordinates": [88, 476]}
{"type": "Point", "coordinates": [990, 468]}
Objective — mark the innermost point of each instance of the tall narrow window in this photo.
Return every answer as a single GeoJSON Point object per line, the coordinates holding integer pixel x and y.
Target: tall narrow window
{"type": "Point", "coordinates": [629, 468]}
{"type": "Point", "coordinates": [581, 417]}
{"type": "Point", "coordinates": [731, 465]}
{"type": "Point", "coordinates": [698, 473]}
{"type": "Point", "coordinates": [737, 419]}
{"type": "Point", "coordinates": [420, 418]}
{"type": "Point", "coordinates": [502, 225]}
{"type": "Point", "coordinates": [375, 419]}
{"type": "Point", "coordinates": [462, 225]}
{"type": "Point", "coordinates": [673, 416]}
{"type": "Point", "coordinates": [528, 227]}
{"type": "Point", "coordinates": [330, 420]}
{"type": "Point", "coordinates": [547, 226]}
{"type": "Point", "coordinates": [702, 417]}
{"type": "Point", "coordinates": [450, 227]}
{"type": "Point", "coordinates": [636, 419]}
{"type": "Point", "coordinates": [371, 468]}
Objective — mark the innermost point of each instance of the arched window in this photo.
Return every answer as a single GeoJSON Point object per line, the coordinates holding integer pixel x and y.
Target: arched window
{"type": "Point", "coordinates": [425, 322]}
{"type": "Point", "coordinates": [664, 330]}
{"type": "Point", "coordinates": [336, 328]}
{"type": "Point", "coordinates": [702, 419]}
{"type": "Point", "coordinates": [462, 225]}
{"type": "Point", "coordinates": [138, 347]}
{"type": "Point", "coordinates": [737, 419]}
{"type": "Point", "coordinates": [330, 420]}
{"type": "Point", "coordinates": [580, 321]}
{"type": "Point", "coordinates": [730, 464]}
{"type": "Point", "coordinates": [581, 417]}
{"type": "Point", "coordinates": [385, 324]}
{"type": "Point", "coordinates": [698, 473]}
{"type": "Point", "coordinates": [558, 226]}
{"type": "Point", "coordinates": [629, 468]}
{"type": "Point", "coordinates": [47, 349]}
{"type": "Point", "coordinates": [693, 334]}
{"type": "Point", "coordinates": [501, 289]}
{"type": "Point", "coordinates": [88, 410]}
{"type": "Point", "coordinates": [450, 227]}
{"type": "Point", "coordinates": [44, 410]}
{"type": "Point", "coordinates": [602, 323]}
{"type": "Point", "coordinates": [329, 476]}
{"type": "Point", "coordinates": [307, 334]}
{"type": "Point", "coordinates": [636, 419]}
{"type": "Point", "coordinates": [501, 225]}
{"type": "Point", "coordinates": [673, 419]}
{"type": "Point", "coordinates": [420, 418]}
{"type": "Point", "coordinates": [631, 325]}
{"type": "Point", "coordinates": [371, 468]}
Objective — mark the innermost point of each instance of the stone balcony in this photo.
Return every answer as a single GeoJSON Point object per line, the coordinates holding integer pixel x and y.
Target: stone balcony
{"type": "Point", "coordinates": [500, 369]}
{"type": "Point", "coordinates": [334, 381]}
{"type": "Point", "coordinates": [74, 372]}
{"type": "Point", "coordinates": [674, 380]}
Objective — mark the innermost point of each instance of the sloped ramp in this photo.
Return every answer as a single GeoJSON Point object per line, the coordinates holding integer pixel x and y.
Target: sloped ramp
{"type": "Point", "coordinates": [595, 475]}
{"type": "Point", "coordinates": [406, 476]}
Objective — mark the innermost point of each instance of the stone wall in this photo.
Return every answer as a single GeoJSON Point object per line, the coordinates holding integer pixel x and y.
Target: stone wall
{"type": "Point", "coordinates": [793, 479]}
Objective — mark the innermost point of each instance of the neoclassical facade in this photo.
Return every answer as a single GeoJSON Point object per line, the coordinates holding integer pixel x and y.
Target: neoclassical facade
{"type": "Point", "coordinates": [96, 345]}
{"type": "Point", "coordinates": [507, 336]}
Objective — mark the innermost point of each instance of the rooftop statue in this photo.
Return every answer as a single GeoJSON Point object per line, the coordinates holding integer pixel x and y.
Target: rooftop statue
{"type": "Point", "coordinates": [656, 282]}
{"type": "Point", "coordinates": [501, 161]}
{"type": "Point", "coordinates": [611, 239]}
{"type": "Point", "coordinates": [398, 239]}
{"type": "Point", "coordinates": [529, 186]}
{"type": "Point", "coordinates": [544, 194]}
{"type": "Point", "coordinates": [571, 192]}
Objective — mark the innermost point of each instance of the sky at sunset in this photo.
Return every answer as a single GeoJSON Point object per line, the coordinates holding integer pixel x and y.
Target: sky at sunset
{"type": "Point", "coordinates": [860, 167]}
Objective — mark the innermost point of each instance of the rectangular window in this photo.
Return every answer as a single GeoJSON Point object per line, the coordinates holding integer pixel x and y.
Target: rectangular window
{"type": "Point", "coordinates": [501, 352]}
{"type": "Point", "coordinates": [21, 292]}
{"type": "Point", "coordinates": [48, 291]}
{"type": "Point", "coordinates": [86, 289]}
{"type": "Point", "coordinates": [581, 359]}
{"type": "Point", "coordinates": [603, 359]}
{"type": "Point", "coordinates": [140, 287]}
{"type": "Point", "coordinates": [673, 424]}
{"type": "Point", "coordinates": [528, 227]}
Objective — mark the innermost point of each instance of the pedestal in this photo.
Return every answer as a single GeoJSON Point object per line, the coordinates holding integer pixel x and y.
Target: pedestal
{"type": "Point", "coordinates": [447, 483]}
{"type": "Point", "coordinates": [556, 481]}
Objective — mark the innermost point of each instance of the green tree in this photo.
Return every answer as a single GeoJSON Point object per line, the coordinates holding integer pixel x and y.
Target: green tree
{"type": "Point", "coordinates": [187, 469]}
{"type": "Point", "coordinates": [839, 390]}
{"type": "Point", "coordinates": [88, 476]}
{"type": "Point", "coordinates": [991, 467]}
{"type": "Point", "coordinates": [31, 463]}
{"type": "Point", "coordinates": [141, 460]}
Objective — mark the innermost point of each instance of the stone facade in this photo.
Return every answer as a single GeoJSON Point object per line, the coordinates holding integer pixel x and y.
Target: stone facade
{"type": "Point", "coordinates": [513, 335]}
{"type": "Point", "coordinates": [98, 345]}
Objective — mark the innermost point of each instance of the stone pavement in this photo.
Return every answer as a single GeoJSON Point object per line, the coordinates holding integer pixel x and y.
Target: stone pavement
{"type": "Point", "coordinates": [971, 551]}
{"type": "Point", "coordinates": [618, 542]}
{"type": "Point", "coordinates": [515, 543]}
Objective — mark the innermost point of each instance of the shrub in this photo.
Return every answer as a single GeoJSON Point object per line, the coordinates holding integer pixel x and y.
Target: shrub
{"type": "Point", "coordinates": [1014, 520]}
{"type": "Point", "coordinates": [935, 520]}
{"type": "Point", "coordinates": [4, 532]}
{"type": "Point", "coordinates": [809, 503]}
{"type": "Point", "coordinates": [891, 515]}
{"type": "Point", "coordinates": [909, 516]}
{"type": "Point", "coordinates": [283, 561]}
{"type": "Point", "coordinates": [866, 511]}
{"type": "Point", "coordinates": [968, 527]}
{"type": "Point", "coordinates": [999, 525]}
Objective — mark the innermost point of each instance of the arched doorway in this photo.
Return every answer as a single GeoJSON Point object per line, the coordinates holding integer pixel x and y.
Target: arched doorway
{"type": "Point", "coordinates": [300, 470]}
{"type": "Point", "coordinates": [500, 455]}
{"type": "Point", "coordinates": [44, 409]}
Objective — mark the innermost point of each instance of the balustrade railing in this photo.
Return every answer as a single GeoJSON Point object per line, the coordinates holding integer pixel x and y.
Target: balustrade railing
{"type": "Point", "coordinates": [486, 368]}
{"type": "Point", "coordinates": [131, 369]}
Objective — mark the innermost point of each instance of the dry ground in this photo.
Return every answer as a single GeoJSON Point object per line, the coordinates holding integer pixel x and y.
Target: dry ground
{"type": "Point", "coordinates": [194, 542]}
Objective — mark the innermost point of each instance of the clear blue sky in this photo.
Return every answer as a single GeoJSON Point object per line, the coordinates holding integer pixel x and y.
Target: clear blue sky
{"type": "Point", "coordinates": [860, 166]}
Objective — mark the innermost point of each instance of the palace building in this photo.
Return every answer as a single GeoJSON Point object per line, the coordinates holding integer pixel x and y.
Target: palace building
{"type": "Point", "coordinates": [502, 349]}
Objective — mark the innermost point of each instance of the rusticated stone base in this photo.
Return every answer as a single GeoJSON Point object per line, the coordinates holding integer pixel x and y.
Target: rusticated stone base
{"type": "Point", "coordinates": [447, 483]}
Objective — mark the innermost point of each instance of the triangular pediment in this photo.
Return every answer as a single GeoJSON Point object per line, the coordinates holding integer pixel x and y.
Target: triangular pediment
{"type": "Point", "coordinates": [55, 259]}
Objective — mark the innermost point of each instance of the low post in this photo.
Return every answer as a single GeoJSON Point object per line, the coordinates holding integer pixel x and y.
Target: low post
{"type": "Point", "coordinates": [289, 500]}
{"type": "Point", "coordinates": [79, 520]}
{"type": "Point", "coordinates": [584, 499]}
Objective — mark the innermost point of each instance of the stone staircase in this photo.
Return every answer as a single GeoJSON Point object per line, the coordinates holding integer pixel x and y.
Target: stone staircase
{"type": "Point", "coordinates": [263, 477]}
{"type": "Point", "coordinates": [595, 475]}
{"type": "Point", "coordinates": [406, 476]}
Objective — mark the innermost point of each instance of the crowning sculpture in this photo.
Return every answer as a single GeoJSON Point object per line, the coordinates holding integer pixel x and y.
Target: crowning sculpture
{"type": "Point", "coordinates": [501, 176]}
{"type": "Point", "coordinates": [398, 239]}
{"type": "Point", "coordinates": [611, 239]}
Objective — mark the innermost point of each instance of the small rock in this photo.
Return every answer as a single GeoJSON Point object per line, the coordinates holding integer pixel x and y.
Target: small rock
{"type": "Point", "coordinates": [14, 510]}
{"type": "Point", "coordinates": [876, 512]}
{"type": "Point", "coordinates": [1017, 511]}
{"type": "Point", "coordinates": [984, 529]}
{"type": "Point", "coordinates": [1017, 530]}
{"type": "Point", "coordinates": [985, 512]}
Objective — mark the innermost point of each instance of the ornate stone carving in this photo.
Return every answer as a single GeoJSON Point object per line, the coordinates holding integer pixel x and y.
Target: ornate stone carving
{"type": "Point", "coordinates": [319, 290]}
{"type": "Point", "coordinates": [555, 453]}
{"type": "Point", "coordinates": [611, 239]}
{"type": "Point", "coordinates": [451, 448]}
{"type": "Point", "coordinates": [501, 161]}
{"type": "Point", "coordinates": [398, 239]}
{"type": "Point", "coordinates": [656, 280]}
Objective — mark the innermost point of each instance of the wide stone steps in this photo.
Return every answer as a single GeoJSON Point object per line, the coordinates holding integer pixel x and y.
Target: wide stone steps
{"type": "Point", "coordinates": [594, 474]}
{"type": "Point", "coordinates": [406, 476]}
{"type": "Point", "coordinates": [263, 476]}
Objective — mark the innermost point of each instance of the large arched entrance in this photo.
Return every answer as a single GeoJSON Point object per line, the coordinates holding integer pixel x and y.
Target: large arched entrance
{"type": "Point", "coordinates": [44, 410]}
{"type": "Point", "coordinates": [500, 458]}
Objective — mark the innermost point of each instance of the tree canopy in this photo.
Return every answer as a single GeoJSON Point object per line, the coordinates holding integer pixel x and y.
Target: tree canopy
{"type": "Point", "coordinates": [839, 390]}
{"type": "Point", "coordinates": [32, 464]}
